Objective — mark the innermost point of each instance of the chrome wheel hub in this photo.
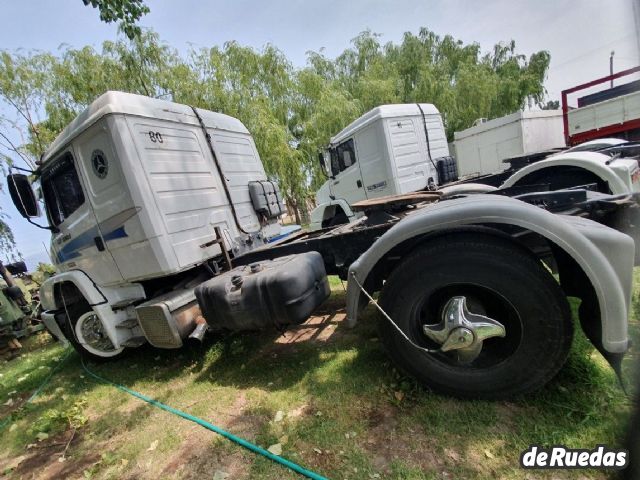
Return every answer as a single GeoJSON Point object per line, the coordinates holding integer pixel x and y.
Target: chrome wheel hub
{"type": "Point", "coordinates": [93, 333]}
{"type": "Point", "coordinates": [462, 331]}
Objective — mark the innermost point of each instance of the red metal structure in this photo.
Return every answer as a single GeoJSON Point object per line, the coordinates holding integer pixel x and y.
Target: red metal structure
{"type": "Point", "coordinates": [609, 130]}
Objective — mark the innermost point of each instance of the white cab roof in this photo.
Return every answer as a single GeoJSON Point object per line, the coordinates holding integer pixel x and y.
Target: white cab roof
{"type": "Point", "coordinates": [384, 111]}
{"type": "Point", "coordinates": [113, 102]}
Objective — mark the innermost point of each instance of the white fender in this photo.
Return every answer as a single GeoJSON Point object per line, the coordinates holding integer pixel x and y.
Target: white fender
{"type": "Point", "coordinates": [318, 213]}
{"type": "Point", "coordinates": [99, 298]}
{"type": "Point", "coordinates": [604, 254]}
{"type": "Point", "coordinates": [595, 163]}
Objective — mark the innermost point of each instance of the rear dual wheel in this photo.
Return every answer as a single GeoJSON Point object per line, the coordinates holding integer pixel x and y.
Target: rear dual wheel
{"type": "Point", "coordinates": [495, 320]}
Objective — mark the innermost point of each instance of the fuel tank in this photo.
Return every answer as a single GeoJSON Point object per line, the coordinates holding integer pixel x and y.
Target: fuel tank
{"type": "Point", "coordinates": [268, 294]}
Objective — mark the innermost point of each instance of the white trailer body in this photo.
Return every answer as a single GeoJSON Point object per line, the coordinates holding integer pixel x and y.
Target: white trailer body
{"type": "Point", "coordinates": [481, 149]}
{"type": "Point", "coordinates": [384, 152]}
{"type": "Point", "coordinates": [589, 121]}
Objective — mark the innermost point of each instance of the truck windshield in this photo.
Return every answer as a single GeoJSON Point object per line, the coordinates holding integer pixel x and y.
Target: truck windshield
{"type": "Point", "coordinates": [61, 189]}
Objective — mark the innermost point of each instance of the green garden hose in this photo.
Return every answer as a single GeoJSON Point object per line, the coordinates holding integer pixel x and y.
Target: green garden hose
{"type": "Point", "coordinates": [209, 426]}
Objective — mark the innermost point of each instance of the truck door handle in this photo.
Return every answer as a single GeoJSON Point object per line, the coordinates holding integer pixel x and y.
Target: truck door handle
{"type": "Point", "coordinates": [359, 184]}
{"type": "Point", "coordinates": [99, 243]}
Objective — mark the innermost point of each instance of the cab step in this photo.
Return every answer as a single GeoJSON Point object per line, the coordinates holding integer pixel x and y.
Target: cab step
{"type": "Point", "coordinates": [129, 323]}
{"type": "Point", "coordinates": [134, 342]}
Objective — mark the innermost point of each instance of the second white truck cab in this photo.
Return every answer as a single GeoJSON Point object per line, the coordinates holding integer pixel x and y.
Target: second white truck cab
{"type": "Point", "coordinates": [390, 150]}
{"type": "Point", "coordinates": [402, 148]}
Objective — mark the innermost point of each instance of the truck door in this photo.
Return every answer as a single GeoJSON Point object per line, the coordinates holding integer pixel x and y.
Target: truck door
{"type": "Point", "coordinates": [347, 184]}
{"type": "Point", "coordinates": [78, 244]}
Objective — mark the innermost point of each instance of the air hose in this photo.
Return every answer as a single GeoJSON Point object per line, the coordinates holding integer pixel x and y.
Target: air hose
{"type": "Point", "coordinates": [209, 426]}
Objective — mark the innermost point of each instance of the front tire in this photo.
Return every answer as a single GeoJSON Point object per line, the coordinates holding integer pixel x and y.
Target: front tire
{"type": "Point", "coordinates": [86, 334]}
{"type": "Point", "coordinates": [498, 279]}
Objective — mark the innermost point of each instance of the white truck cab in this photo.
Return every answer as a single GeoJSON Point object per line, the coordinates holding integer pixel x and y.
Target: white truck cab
{"type": "Point", "coordinates": [134, 189]}
{"type": "Point", "coordinates": [390, 150]}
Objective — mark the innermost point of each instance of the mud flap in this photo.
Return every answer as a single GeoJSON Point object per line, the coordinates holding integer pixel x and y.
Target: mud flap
{"type": "Point", "coordinates": [589, 313]}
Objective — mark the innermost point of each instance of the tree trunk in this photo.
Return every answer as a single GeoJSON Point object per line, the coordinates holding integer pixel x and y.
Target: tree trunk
{"type": "Point", "coordinates": [296, 211]}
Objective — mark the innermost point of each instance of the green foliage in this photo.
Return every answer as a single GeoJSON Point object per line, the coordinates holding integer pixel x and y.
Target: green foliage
{"type": "Point", "coordinates": [127, 12]}
{"type": "Point", "coordinates": [44, 271]}
{"type": "Point", "coordinates": [551, 105]}
{"type": "Point", "coordinates": [291, 113]}
{"type": "Point", "coordinates": [7, 242]}
{"type": "Point", "coordinates": [54, 420]}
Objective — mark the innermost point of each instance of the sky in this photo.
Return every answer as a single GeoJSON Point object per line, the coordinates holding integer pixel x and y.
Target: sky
{"type": "Point", "coordinates": [579, 34]}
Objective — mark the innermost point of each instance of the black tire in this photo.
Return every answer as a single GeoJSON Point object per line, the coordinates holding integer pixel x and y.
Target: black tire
{"type": "Point", "coordinates": [339, 218]}
{"type": "Point", "coordinates": [504, 282]}
{"type": "Point", "coordinates": [75, 312]}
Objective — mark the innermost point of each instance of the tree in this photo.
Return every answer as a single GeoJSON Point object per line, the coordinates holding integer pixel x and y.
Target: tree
{"type": "Point", "coordinates": [551, 105]}
{"type": "Point", "coordinates": [127, 12]}
{"type": "Point", "coordinates": [23, 84]}
{"type": "Point", "coordinates": [291, 113]}
{"type": "Point", "coordinates": [43, 271]}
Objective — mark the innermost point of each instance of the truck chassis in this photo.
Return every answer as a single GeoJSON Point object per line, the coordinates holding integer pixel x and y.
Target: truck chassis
{"type": "Point", "coordinates": [519, 250]}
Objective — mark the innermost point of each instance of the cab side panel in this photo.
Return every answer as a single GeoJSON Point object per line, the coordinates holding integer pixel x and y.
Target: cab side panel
{"type": "Point", "coordinates": [184, 185]}
{"type": "Point", "coordinates": [240, 165]}
{"type": "Point", "coordinates": [373, 159]}
{"type": "Point", "coordinates": [408, 147]}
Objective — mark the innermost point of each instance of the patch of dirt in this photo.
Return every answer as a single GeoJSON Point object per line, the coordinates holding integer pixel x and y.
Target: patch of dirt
{"type": "Point", "coordinates": [301, 411]}
{"type": "Point", "coordinates": [199, 455]}
{"type": "Point", "coordinates": [385, 442]}
{"type": "Point", "coordinates": [318, 328]}
{"type": "Point", "coordinates": [27, 344]}
{"type": "Point", "coordinates": [234, 465]}
{"type": "Point", "coordinates": [508, 413]}
{"type": "Point", "coordinates": [41, 461]}
{"type": "Point", "coordinates": [19, 399]}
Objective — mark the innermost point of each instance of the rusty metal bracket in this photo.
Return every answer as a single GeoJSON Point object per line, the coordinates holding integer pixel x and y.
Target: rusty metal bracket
{"type": "Point", "coordinates": [219, 240]}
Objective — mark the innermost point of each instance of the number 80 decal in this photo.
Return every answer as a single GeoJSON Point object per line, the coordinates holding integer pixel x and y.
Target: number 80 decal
{"type": "Point", "coordinates": [155, 137]}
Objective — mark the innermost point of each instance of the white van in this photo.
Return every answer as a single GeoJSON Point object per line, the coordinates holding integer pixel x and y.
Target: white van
{"type": "Point", "coordinates": [389, 150]}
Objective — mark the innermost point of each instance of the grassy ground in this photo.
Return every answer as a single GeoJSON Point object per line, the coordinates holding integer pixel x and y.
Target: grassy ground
{"type": "Point", "coordinates": [326, 394]}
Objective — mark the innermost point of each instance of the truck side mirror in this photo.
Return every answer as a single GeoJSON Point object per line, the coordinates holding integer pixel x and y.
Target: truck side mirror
{"type": "Point", "coordinates": [323, 165]}
{"type": "Point", "coordinates": [22, 195]}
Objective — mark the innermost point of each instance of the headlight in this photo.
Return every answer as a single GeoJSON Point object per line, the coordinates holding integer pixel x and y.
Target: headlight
{"type": "Point", "coordinates": [47, 299]}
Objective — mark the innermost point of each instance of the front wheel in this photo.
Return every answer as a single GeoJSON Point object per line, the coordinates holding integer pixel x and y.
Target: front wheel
{"type": "Point", "coordinates": [495, 321]}
{"type": "Point", "coordinates": [85, 332]}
